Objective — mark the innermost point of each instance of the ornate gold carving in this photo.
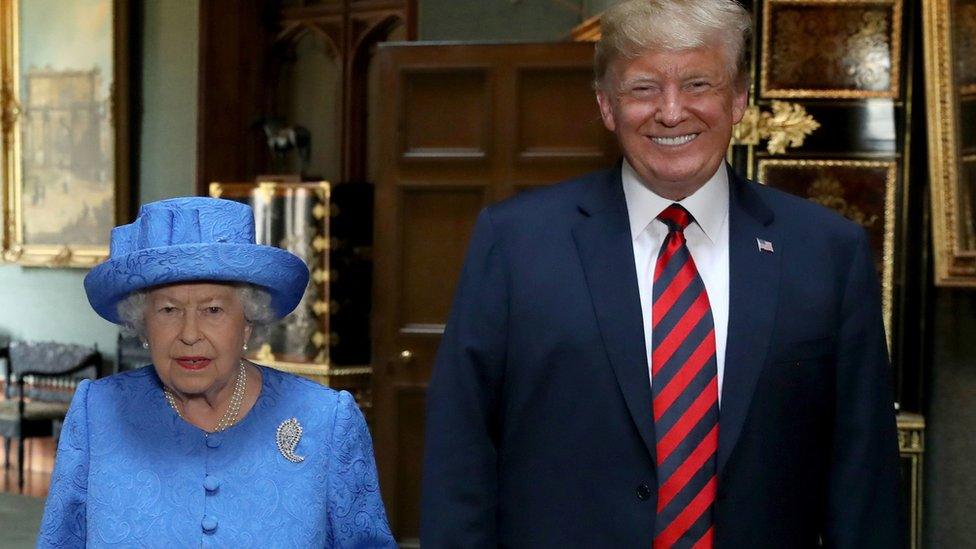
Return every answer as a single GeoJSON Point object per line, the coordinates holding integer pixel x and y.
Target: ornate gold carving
{"type": "Point", "coordinates": [955, 263]}
{"type": "Point", "coordinates": [215, 190]}
{"type": "Point", "coordinates": [320, 308]}
{"type": "Point", "coordinates": [13, 253]}
{"type": "Point", "coordinates": [264, 354]}
{"type": "Point", "coordinates": [320, 276]}
{"type": "Point", "coordinates": [868, 55]}
{"type": "Point", "coordinates": [324, 191]}
{"type": "Point", "coordinates": [320, 243]}
{"type": "Point", "coordinates": [265, 191]}
{"type": "Point", "coordinates": [855, 55]}
{"type": "Point", "coordinates": [828, 191]}
{"type": "Point", "coordinates": [319, 211]}
{"type": "Point", "coordinates": [319, 339]}
{"type": "Point", "coordinates": [787, 125]}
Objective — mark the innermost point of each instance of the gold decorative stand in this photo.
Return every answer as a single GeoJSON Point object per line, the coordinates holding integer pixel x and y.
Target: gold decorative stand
{"type": "Point", "coordinates": [911, 446]}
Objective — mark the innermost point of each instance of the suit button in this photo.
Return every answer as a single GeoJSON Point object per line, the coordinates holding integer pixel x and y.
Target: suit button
{"type": "Point", "coordinates": [643, 491]}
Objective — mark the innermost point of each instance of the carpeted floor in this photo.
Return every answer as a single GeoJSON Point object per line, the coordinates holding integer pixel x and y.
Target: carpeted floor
{"type": "Point", "coordinates": [20, 517]}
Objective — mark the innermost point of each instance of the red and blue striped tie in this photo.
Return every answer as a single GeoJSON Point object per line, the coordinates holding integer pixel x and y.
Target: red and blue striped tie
{"type": "Point", "coordinates": [685, 387]}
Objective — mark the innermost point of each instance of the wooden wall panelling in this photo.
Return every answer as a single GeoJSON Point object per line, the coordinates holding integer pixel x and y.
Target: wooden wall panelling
{"type": "Point", "coordinates": [235, 42]}
{"type": "Point", "coordinates": [470, 125]}
{"type": "Point", "coordinates": [238, 72]}
{"type": "Point", "coordinates": [353, 27]}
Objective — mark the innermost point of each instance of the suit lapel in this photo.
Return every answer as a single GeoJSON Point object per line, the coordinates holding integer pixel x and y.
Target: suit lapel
{"type": "Point", "coordinates": [606, 252]}
{"type": "Point", "coordinates": [753, 287]}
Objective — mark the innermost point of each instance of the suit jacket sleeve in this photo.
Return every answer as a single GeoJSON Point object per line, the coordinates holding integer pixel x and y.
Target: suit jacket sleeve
{"type": "Point", "coordinates": [65, 517]}
{"type": "Point", "coordinates": [863, 502]}
{"type": "Point", "coordinates": [460, 480]}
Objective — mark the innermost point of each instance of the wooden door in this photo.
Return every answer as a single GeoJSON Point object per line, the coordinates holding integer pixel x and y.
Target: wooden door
{"type": "Point", "coordinates": [467, 125]}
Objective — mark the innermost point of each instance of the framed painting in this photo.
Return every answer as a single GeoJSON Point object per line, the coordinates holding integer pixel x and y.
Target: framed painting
{"type": "Point", "coordinates": [950, 86]}
{"type": "Point", "coordinates": [65, 129]}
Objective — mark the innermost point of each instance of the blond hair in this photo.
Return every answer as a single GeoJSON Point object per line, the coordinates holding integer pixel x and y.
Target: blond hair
{"type": "Point", "coordinates": [632, 27]}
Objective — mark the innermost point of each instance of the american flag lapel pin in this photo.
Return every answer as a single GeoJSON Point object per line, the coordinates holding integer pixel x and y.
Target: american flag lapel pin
{"type": "Point", "coordinates": [765, 245]}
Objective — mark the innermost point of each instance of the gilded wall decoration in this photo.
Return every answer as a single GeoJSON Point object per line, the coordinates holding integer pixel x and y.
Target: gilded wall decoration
{"type": "Point", "coordinates": [951, 143]}
{"type": "Point", "coordinates": [851, 57]}
{"type": "Point", "coordinates": [787, 125]}
{"type": "Point", "coordinates": [861, 190]}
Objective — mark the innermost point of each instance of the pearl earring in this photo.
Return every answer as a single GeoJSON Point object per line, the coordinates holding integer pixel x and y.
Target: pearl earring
{"type": "Point", "coordinates": [145, 344]}
{"type": "Point", "coordinates": [245, 347]}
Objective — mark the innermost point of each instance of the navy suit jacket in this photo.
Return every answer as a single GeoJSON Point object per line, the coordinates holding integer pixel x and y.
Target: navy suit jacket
{"type": "Point", "coordinates": [539, 425]}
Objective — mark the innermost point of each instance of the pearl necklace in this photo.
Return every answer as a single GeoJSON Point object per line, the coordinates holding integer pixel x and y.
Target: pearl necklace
{"type": "Point", "coordinates": [233, 409]}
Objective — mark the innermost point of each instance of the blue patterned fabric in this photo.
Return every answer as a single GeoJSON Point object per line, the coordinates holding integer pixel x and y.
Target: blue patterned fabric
{"type": "Point", "coordinates": [191, 239]}
{"type": "Point", "coordinates": [131, 473]}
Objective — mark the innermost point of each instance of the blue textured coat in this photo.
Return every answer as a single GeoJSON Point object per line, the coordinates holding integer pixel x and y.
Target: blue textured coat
{"type": "Point", "coordinates": [130, 472]}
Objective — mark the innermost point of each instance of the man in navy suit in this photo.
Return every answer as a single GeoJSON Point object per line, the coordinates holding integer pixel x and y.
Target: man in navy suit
{"type": "Point", "coordinates": [664, 354]}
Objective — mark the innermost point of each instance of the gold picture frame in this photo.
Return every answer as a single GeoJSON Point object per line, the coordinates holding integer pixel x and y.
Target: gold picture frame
{"type": "Point", "coordinates": [952, 183]}
{"type": "Point", "coordinates": [834, 190]}
{"type": "Point", "coordinates": [64, 120]}
{"type": "Point", "coordinates": [865, 64]}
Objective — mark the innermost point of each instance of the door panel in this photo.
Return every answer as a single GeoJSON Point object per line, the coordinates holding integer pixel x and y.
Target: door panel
{"type": "Point", "coordinates": [433, 245]}
{"type": "Point", "coordinates": [445, 114]}
{"type": "Point", "coordinates": [474, 124]}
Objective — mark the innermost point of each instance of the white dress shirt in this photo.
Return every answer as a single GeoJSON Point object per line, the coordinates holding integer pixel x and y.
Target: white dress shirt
{"type": "Point", "coordinates": [708, 243]}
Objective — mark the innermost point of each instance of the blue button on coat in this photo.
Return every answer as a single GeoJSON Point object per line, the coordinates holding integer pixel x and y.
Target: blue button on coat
{"type": "Point", "coordinates": [128, 472]}
{"type": "Point", "coordinates": [210, 483]}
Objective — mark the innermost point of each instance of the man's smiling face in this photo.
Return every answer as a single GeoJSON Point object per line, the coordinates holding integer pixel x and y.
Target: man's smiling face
{"type": "Point", "coordinates": [673, 114]}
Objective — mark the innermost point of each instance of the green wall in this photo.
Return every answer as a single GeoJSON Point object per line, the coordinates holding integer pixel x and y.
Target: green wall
{"type": "Point", "coordinates": [489, 20]}
{"type": "Point", "coordinates": [167, 166]}
{"type": "Point", "coordinates": [50, 304]}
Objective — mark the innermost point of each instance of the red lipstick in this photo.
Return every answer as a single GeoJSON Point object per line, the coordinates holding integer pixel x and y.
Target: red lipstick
{"type": "Point", "coordinates": [193, 362]}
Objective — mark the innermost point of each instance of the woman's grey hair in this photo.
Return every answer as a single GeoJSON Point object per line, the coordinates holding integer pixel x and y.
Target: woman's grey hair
{"type": "Point", "coordinates": [255, 300]}
{"type": "Point", "coordinates": [632, 27]}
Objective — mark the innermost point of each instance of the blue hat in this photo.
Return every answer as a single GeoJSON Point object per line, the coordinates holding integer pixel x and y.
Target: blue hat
{"type": "Point", "coordinates": [193, 239]}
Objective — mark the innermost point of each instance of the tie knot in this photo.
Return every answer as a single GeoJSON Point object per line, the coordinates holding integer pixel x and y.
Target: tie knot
{"type": "Point", "coordinates": [675, 217]}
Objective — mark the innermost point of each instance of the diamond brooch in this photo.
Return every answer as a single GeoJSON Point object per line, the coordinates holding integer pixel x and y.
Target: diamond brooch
{"type": "Point", "coordinates": [287, 437]}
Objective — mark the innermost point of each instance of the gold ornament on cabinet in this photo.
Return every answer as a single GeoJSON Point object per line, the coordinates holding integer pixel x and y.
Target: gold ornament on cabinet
{"type": "Point", "coordinates": [787, 126]}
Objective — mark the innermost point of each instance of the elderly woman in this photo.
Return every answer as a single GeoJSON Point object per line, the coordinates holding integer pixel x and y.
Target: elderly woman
{"type": "Point", "coordinates": [204, 447]}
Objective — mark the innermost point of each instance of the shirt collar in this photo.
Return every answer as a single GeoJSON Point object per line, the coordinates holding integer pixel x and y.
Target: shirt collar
{"type": "Point", "coordinates": [709, 205]}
